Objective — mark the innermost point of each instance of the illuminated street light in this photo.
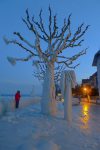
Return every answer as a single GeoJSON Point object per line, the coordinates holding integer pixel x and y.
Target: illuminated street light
{"type": "Point", "coordinates": [87, 91]}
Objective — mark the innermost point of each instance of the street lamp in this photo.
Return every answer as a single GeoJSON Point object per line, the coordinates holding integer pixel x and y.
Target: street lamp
{"type": "Point", "coordinates": [86, 91]}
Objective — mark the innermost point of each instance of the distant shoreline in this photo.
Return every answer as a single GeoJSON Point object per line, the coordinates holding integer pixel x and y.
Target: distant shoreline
{"type": "Point", "coordinates": [23, 95]}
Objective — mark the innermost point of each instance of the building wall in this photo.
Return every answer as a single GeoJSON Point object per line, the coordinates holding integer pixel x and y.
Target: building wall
{"type": "Point", "coordinates": [98, 73]}
{"type": "Point", "coordinates": [91, 81]}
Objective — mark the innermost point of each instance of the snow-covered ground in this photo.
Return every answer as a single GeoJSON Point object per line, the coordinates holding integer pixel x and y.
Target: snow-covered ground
{"type": "Point", "coordinates": [28, 129]}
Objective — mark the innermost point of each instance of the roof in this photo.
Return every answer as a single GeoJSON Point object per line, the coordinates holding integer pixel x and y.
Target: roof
{"type": "Point", "coordinates": [85, 81]}
{"type": "Point", "coordinates": [94, 74]}
{"type": "Point", "coordinates": [96, 58]}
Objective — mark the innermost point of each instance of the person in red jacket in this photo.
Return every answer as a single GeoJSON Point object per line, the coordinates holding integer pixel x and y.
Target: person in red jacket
{"type": "Point", "coordinates": [17, 98]}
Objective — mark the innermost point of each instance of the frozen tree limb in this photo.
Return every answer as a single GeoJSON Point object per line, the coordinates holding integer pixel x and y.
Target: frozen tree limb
{"type": "Point", "coordinates": [24, 40]}
{"type": "Point", "coordinates": [19, 44]}
{"type": "Point", "coordinates": [13, 60]}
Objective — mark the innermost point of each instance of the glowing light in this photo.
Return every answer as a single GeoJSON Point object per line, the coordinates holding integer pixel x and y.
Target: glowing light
{"type": "Point", "coordinates": [85, 89]}
{"type": "Point", "coordinates": [85, 115]}
{"type": "Point", "coordinates": [59, 94]}
{"type": "Point", "coordinates": [85, 109]}
{"type": "Point", "coordinates": [62, 100]}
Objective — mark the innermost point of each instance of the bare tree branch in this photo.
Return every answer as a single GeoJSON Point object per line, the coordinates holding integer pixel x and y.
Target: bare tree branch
{"type": "Point", "coordinates": [69, 61]}
{"type": "Point", "coordinates": [50, 22]}
{"type": "Point", "coordinates": [24, 40]}
{"type": "Point", "coordinates": [29, 24]}
{"type": "Point", "coordinates": [71, 43]}
{"type": "Point", "coordinates": [65, 27]}
{"type": "Point", "coordinates": [41, 24]}
{"type": "Point", "coordinates": [55, 27]}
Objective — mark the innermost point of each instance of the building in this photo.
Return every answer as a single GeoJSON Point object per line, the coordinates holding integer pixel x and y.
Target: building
{"type": "Point", "coordinates": [92, 81]}
{"type": "Point", "coordinates": [96, 62]}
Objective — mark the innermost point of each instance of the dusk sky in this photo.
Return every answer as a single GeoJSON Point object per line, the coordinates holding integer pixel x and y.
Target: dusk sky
{"type": "Point", "coordinates": [11, 12]}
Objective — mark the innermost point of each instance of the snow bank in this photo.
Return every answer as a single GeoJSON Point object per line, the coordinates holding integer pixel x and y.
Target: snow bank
{"type": "Point", "coordinates": [47, 145]}
{"type": "Point", "coordinates": [6, 106]}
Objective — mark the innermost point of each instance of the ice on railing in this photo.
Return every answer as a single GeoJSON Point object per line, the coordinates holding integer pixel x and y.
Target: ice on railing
{"type": "Point", "coordinates": [6, 106]}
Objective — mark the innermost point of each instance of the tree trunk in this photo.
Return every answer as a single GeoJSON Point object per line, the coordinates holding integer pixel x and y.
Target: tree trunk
{"type": "Point", "coordinates": [48, 102]}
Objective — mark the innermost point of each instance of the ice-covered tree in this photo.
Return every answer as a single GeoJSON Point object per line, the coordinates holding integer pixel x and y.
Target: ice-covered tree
{"type": "Point", "coordinates": [57, 40]}
{"type": "Point", "coordinates": [41, 71]}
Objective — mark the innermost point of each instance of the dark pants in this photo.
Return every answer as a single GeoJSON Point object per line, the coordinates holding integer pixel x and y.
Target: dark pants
{"type": "Point", "coordinates": [17, 104]}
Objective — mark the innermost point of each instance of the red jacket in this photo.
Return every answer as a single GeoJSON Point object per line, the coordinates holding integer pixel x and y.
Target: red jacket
{"type": "Point", "coordinates": [17, 96]}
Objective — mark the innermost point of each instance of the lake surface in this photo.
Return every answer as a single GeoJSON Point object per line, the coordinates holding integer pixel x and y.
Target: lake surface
{"type": "Point", "coordinates": [11, 97]}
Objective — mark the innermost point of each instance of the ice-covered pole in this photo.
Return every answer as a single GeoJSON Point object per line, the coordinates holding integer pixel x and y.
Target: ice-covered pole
{"type": "Point", "coordinates": [68, 80]}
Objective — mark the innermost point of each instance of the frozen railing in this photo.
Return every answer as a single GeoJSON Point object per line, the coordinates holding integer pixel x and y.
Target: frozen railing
{"type": "Point", "coordinates": [6, 106]}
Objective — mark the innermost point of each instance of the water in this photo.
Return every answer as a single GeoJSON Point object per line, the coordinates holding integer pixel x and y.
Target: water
{"type": "Point", "coordinates": [8, 97]}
